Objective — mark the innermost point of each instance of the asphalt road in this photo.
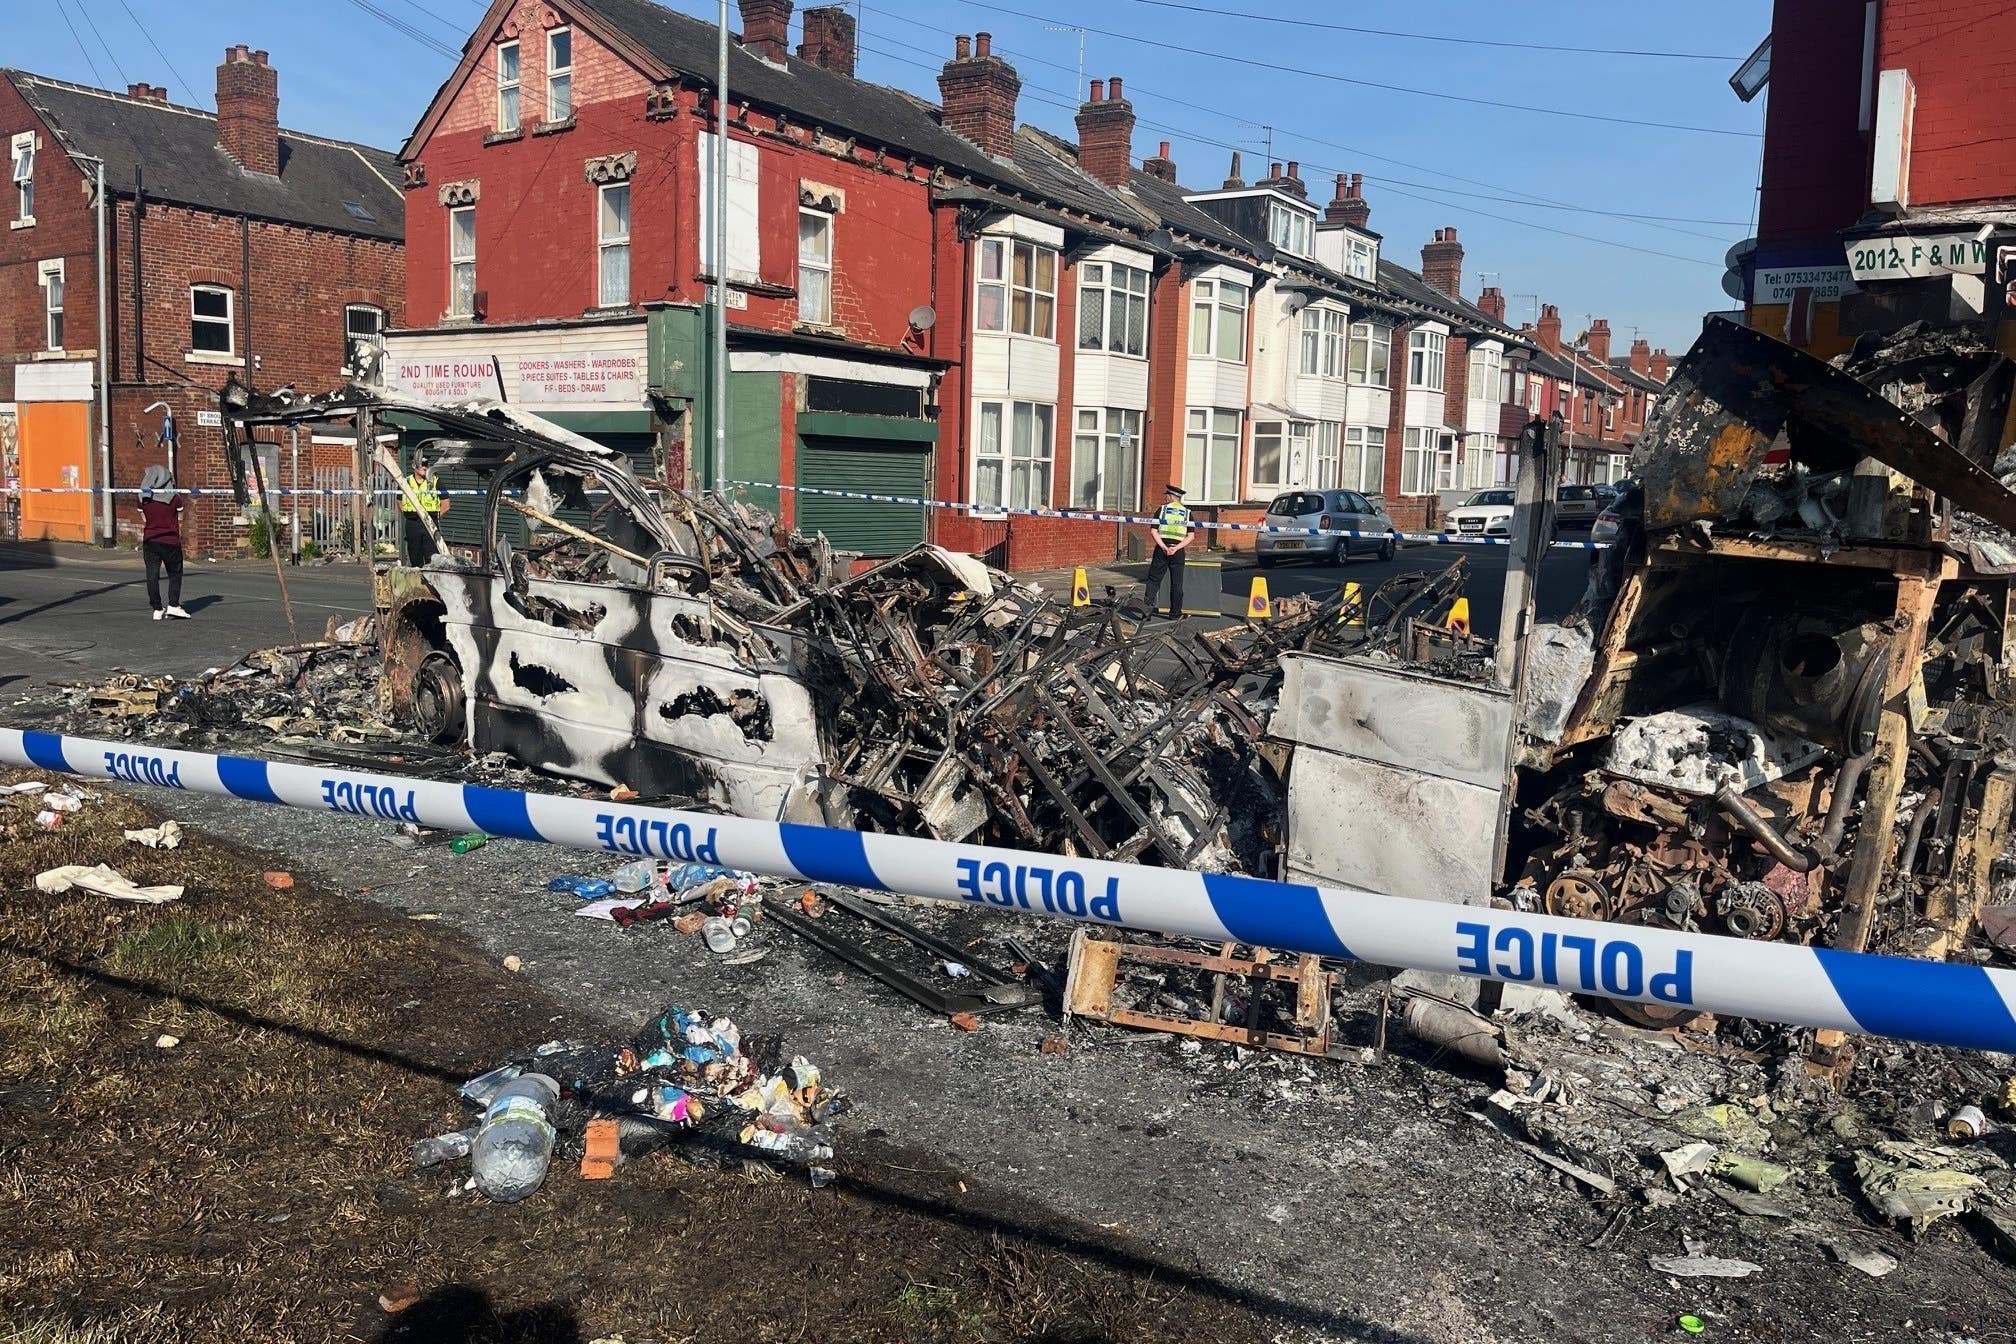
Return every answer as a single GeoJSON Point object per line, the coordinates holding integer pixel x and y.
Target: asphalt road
{"type": "Point", "coordinates": [1562, 577]}
{"type": "Point", "coordinates": [72, 613]}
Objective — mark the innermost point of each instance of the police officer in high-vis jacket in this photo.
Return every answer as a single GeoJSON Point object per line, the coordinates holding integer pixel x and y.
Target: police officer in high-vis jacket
{"type": "Point", "coordinates": [1172, 538]}
{"type": "Point", "coordinates": [419, 493]}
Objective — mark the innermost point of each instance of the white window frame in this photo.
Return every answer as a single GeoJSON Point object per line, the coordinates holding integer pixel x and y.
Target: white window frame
{"type": "Point", "coordinates": [1209, 434]}
{"type": "Point", "coordinates": [1117, 298]}
{"type": "Point", "coordinates": [1213, 300]}
{"type": "Point", "coordinates": [1102, 431]}
{"type": "Point", "coordinates": [229, 322]}
{"type": "Point", "coordinates": [1363, 466]}
{"type": "Point", "coordinates": [1418, 447]}
{"type": "Point", "coordinates": [1446, 448]}
{"type": "Point", "coordinates": [1290, 230]}
{"type": "Point", "coordinates": [507, 124]}
{"type": "Point", "coordinates": [461, 297]}
{"type": "Point", "coordinates": [1006, 250]}
{"type": "Point", "coordinates": [350, 310]}
{"type": "Point", "coordinates": [1487, 369]}
{"type": "Point", "coordinates": [1377, 339]}
{"type": "Point", "coordinates": [1276, 433]}
{"type": "Point", "coordinates": [745, 188]}
{"type": "Point", "coordinates": [1480, 463]}
{"type": "Point", "coordinates": [1609, 414]}
{"type": "Point", "coordinates": [1326, 459]}
{"type": "Point", "coordinates": [1361, 259]}
{"type": "Point", "coordinates": [1008, 417]}
{"type": "Point", "coordinates": [52, 302]}
{"type": "Point", "coordinates": [607, 244]}
{"type": "Point", "coordinates": [1427, 353]}
{"type": "Point", "coordinates": [21, 164]}
{"type": "Point", "coordinates": [559, 76]}
{"type": "Point", "coordinates": [819, 314]}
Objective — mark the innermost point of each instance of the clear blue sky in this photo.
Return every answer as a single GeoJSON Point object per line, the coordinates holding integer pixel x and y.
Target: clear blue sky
{"type": "Point", "coordinates": [346, 73]}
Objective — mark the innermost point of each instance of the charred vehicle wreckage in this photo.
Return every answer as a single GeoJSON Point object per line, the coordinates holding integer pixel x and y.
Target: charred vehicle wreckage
{"type": "Point", "coordinates": [1783, 709]}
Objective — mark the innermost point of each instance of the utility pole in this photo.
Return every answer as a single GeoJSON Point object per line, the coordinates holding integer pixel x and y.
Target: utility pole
{"type": "Point", "coordinates": [1077, 89]}
{"type": "Point", "coordinates": [718, 226]}
{"type": "Point", "coordinates": [1532, 527]}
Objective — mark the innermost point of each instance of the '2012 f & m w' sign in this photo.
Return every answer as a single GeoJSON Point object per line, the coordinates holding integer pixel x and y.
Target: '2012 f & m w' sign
{"type": "Point", "coordinates": [1909, 257]}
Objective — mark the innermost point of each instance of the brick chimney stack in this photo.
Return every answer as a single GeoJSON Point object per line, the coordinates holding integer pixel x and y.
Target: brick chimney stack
{"type": "Point", "coordinates": [1233, 182]}
{"type": "Point", "coordinates": [766, 28]}
{"type": "Point", "coordinates": [1598, 338]}
{"type": "Point", "coordinates": [1641, 356]}
{"type": "Point", "coordinates": [1659, 364]}
{"type": "Point", "coordinates": [1492, 301]}
{"type": "Point", "coordinates": [153, 93]}
{"type": "Point", "coordinates": [1106, 135]}
{"type": "Point", "coordinates": [1161, 167]}
{"type": "Point", "coordinates": [978, 91]}
{"type": "Point", "coordinates": [1442, 263]}
{"type": "Point", "coordinates": [1549, 329]}
{"type": "Point", "coordinates": [829, 39]}
{"type": "Point", "coordinates": [1287, 179]}
{"type": "Point", "coordinates": [248, 110]}
{"type": "Point", "coordinates": [1348, 206]}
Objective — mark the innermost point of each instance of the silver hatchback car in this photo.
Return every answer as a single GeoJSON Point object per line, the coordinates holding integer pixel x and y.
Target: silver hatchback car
{"type": "Point", "coordinates": [1342, 510]}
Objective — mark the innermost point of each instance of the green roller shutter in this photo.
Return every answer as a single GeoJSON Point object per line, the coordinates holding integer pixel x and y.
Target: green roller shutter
{"type": "Point", "coordinates": [463, 523]}
{"type": "Point", "coordinates": [872, 467]}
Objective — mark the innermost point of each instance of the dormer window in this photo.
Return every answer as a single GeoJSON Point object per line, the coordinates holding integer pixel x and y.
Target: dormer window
{"type": "Point", "coordinates": [1290, 229]}
{"type": "Point", "coordinates": [1361, 257]}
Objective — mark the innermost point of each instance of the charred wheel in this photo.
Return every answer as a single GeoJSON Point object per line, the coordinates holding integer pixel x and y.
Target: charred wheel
{"type": "Point", "coordinates": [438, 702]}
{"type": "Point", "coordinates": [1579, 894]}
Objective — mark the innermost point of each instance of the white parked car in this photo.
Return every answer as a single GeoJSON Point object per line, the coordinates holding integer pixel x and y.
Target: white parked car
{"type": "Point", "coordinates": [1488, 513]}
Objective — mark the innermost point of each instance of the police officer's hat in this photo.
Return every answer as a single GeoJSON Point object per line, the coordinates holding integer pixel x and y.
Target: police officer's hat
{"type": "Point", "coordinates": [1175, 490]}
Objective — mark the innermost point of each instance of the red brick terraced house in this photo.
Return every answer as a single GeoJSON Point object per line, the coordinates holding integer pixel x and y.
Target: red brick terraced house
{"type": "Point", "coordinates": [232, 246]}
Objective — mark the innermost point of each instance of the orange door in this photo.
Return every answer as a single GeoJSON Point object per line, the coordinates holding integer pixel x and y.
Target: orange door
{"type": "Point", "coordinates": [55, 452]}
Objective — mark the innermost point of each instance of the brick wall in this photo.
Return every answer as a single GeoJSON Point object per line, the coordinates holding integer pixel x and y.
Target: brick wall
{"type": "Point", "coordinates": [64, 228]}
{"type": "Point", "coordinates": [1815, 179]}
{"type": "Point", "coordinates": [1962, 59]}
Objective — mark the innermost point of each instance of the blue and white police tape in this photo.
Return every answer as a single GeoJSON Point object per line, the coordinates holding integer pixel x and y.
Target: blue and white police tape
{"type": "Point", "coordinates": [1967, 1006]}
{"type": "Point", "coordinates": [1096, 516]}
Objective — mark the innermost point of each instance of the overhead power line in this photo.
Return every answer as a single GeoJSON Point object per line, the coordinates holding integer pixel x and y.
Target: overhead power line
{"type": "Point", "coordinates": [110, 54]}
{"type": "Point", "coordinates": [1277, 68]}
{"type": "Point", "coordinates": [1435, 37]}
{"type": "Point", "coordinates": [187, 87]}
{"type": "Point", "coordinates": [84, 50]}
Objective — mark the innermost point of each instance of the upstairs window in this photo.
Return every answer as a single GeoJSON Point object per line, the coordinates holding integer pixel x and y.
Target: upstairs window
{"type": "Point", "coordinates": [362, 319]}
{"type": "Point", "coordinates": [507, 86]}
{"type": "Point", "coordinates": [1324, 342]}
{"type": "Point", "coordinates": [24, 177]}
{"type": "Point", "coordinates": [559, 74]}
{"type": "Point", "coordinates": [210, 326]}
{"type": "Point", "coordinates": [1218, 320]}
{"type": "Point", "coordinates": [1487, 366]}
{"type": "Point", "coordinates": [1017, 288]}
{"type": "Point", "coordinates": [462, 261]}
{"type": "Point", "coordinates": [1360, 258]}
{"type": "Point", "coordinates": [815, 267]}
{"type": "Point", "coordinates": [1371, 353]}
{"type": "Point", "coordinates": [1289, 229]}
{"type": "Point", "coordinates": [612, 245]}
{"type": "Point", "coordinates": [1425, 352]}
{"type": "Point", "coordinates": [1113, 308]}
{"type": "Point", "coordinates": [50, 275]}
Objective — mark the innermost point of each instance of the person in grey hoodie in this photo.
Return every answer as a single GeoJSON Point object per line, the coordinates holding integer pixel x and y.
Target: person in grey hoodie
{"type": "Point", "coordinates": [161, 539]}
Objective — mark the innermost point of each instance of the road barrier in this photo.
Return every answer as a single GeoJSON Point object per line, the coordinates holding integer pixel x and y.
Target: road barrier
{"type": "Point", "coordinates": [1946, 1004]}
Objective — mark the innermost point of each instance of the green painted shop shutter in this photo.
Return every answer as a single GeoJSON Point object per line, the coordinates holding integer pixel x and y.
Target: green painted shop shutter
{"type": "Point", "coordinates": [872, 467]}
{"type": "Point", "coordinates": [463, 523]}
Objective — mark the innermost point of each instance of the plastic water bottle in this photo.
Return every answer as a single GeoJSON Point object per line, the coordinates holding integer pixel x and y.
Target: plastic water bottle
{"type": "Point", "coordinates": [516, 1141]}
{"type": "Point", "coordinates": [449, 1147]}
{"type": "Point", "coordinates": [634, 877]}
{"type": "Point", "coordinates": [462, 844]}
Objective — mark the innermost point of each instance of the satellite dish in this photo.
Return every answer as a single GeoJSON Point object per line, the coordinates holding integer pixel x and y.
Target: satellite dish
{"type": "Point", "coordinates": [923, 316]}
{"type": "Point", "coordinates": [1733, 286]}
{"type": "Point", "coordinates": [1741, 252]}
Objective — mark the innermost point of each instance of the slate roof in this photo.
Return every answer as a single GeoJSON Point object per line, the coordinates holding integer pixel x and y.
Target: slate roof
{"type": "Point", "coordinates": [1551, 365]}
{"type": "Point", "coordinates": [1630, 377]}
{"type": "Point", "coordinates": [176, 148]}
{"type": "Point", "coordinates": [1410, 287]}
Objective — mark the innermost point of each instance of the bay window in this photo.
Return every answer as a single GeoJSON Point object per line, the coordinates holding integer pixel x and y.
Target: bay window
{"type": "Point", "coordinates": [1016, 452]}
{"type": "Point", "coordinates": [1417, 460]}
{"type": "Point", "coordinates": [1371, 353]}
{"type": "Point", "coordinates": [1425, 352]}
{"type": "Point", "coordinates": [1017, 288]}
{"type": "Point", "coordinates": [1106, 459]}
{"type": "Point", "coordinates": [1218, 319]}
{"type": "Point", "coordinates": [1323, 342]}
{"type": "Point", "coordinates": [1364, 463]}
{"type": "Point", "coordinates": [1113, 308]}
{"type": "Point", "coordinates": [1211, 456]}
{"type": "Point", "coordinates": [1487, 368]}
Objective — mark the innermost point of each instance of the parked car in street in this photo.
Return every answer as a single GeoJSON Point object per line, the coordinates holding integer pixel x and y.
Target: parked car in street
{"type": "Point", "coordinates": [1342, 510]}
{"type": "Point", "coordinates": [1488, 513]}
{"type": "Point", "coordinates": [1576, 506]}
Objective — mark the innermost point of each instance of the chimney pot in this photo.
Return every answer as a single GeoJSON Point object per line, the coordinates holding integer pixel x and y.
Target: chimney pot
{"type": "Point", "coordinates": [983, 44]}
{"type": "Point", "coordinates": [977, 92]}
{"type": "Point", "coordinates": [1161, 167]}
{"type": "Point", "coordinates": [1442, 262]}
{"type": "Point", "coordinates": [1273, 170]}
{"type": "Point", "coordinates": [1163, 152]}
{"type": "Point", "coordinates": [961, 47]}
{"type": "Point", "coordinates": [1115, 95]}
{"type": "Point", "coordinates": [1295, 170]}
{"type": "Point", "coordinates": [1098, 91]}
{"type": "Point", "coordinates": [1106, 135]}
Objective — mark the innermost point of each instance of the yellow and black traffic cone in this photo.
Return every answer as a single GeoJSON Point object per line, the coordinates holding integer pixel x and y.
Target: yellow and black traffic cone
{"type": "Point", "coordinates": [1459, 616]}
{"type": "Point", "coordinates": [1081, 589]}
{"type": "Point", "coordinates": [1258, 608]}
{"type": "Point", "coordinates": [1353, 610]}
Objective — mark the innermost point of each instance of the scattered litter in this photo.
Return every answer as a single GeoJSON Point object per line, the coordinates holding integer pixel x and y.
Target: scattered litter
{"type": "Point", "coordinates": [1691, 1160]}
{"type": "Point", "coordinates": [513, 963]}
{"type": "Point", "coordinates": [103, 881]}
{"type": "Point", "coordinates": [1752, 1173]}
{"type": "Point", "coordinates": [1967, 1123]}
{"type": "Point", "coordinates": [463, 844]}
{"type": "Point", "coordinates": [1053, 1045]}
{"type": "Point", "coordinates": [450, 1147]}
{"type": "Point", "coordinates": [30, 786]}
{"type": "Point", "coordinates": [582, 888]}
{"type": "Point", "coordinates": [399, 1298]}
{"type": "Point", "coordinates": [166, 1042]}
{"type": "Point", "coordinates": [1704, 1267]}
{"type": "Point", "coordinates": [1692, 1325]}
{"type": "Point", "coordinates": [607, 907]}
{"type": "Point", "coordinates": [279, 881]}
{"type": "Point", "coordinates": [965, 1022]}
{"type": "Point", "coordinates": [1919, 1184]}
{"type": "Point", "coordinates": [1872, 1262]}
{"type": "Point", "coordinates": [623, 793]}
